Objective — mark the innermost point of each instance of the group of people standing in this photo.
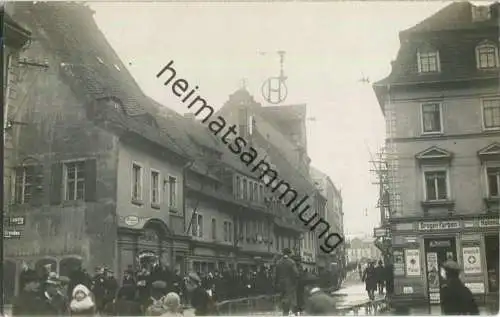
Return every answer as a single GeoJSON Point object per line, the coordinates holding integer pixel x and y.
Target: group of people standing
{"type": "Point", "coordinates": [378, 277]}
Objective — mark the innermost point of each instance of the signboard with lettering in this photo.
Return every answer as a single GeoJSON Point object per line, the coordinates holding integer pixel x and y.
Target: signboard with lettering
{"type": "Point", "coordinates": [475, 288]}
{"type": "Point", "coordinates": [11, 234]}
{"type": "Point", "coordinates": [472, 260]}
{"type": "Point", "coordinates": [485, 223]}
{"type": "Point", "coordinates": [15, 221]}
{"type": "Point", "coordinates": [438, 225]}
{"type": "Point", "coordinates": [412, 262]}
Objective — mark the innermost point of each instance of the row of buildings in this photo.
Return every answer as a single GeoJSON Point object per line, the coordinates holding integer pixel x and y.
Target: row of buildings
{"type": "Point", "coordinates": [441, 102]}
{"type": "Point", "coordinates": [98, 173]}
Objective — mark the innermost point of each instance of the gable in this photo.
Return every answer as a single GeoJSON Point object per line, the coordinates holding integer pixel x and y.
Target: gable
{"type": "Point", "coordinates": [434, 153]}
{"type": "Point", "coordinates": [492, 149]}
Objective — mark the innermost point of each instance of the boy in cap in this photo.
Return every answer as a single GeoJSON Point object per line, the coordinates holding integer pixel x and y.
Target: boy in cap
{"type": "Point", "coordinates": [456, 298]}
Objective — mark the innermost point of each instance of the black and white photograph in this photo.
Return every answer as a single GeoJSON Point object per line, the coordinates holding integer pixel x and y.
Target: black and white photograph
{"type": "Point", "coordinates": [250, 157]}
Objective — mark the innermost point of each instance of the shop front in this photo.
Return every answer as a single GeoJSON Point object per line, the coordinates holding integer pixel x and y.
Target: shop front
{"type": "Point", "coordinates": [421, 246]}
{"type": "Point", "coordinates": [138, 248]}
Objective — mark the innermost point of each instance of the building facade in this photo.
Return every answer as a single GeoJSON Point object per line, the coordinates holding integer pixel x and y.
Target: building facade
{"type": "Point", "coordinates": [442, 108]}
{"type": "Point", "coordinates": [360, 250]}
{"type": "Point", "coordinates": [96, 182]}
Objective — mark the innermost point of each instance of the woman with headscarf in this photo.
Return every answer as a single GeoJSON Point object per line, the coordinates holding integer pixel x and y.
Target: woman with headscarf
{"type": "Point", "coordinates": [82, 302]}
{"type": "Point", "coordinates": [172, 304]}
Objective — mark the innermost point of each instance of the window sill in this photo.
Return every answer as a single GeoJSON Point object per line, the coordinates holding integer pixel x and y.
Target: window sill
{"type": "Point", "coordinates": [137, 202]}
{"type": "Point", "coordinates": [438, 203]}
{"type": "Point", "coordinates": [173, 210]}
{"type": "Point", "coordinates": [437, 133]}
{"type": "Point", "coordinates": [155, 205]}
{"type": "Point", "coordinates": [491, 129]}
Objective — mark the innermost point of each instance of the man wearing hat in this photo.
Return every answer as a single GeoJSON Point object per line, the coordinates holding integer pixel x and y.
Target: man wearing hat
{"type": "Point", "coordinates": [286, 281]}
{"type": "Point", "coordinates": [54, 295]}
{"type": "Point", "coordinates": [200, 299]}
{"type": "Point", "coordinates": [456, 298]}
{"type": "Point", "coordinates": [30, 301]}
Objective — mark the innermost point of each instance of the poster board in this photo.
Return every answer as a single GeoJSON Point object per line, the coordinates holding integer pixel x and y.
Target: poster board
{"type": "Point", "coordinates": [471, 259]}
{"type": "Point", "coordinates": [412, 257]}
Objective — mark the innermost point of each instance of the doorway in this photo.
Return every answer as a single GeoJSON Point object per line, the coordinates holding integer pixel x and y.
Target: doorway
{"type": "Point", "coordinates": [492, 254]}
{"type": "Point", "coordinates": [437, 251]}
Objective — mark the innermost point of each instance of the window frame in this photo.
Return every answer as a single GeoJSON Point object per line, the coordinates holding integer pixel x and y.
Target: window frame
{"type": "Point", "coordinates": [141, 182]}
{"type": "Point", "coordinates": [155, 204]}
{"type": "Point", "coordinates": [176, 192]}
{"type": "Point", "coordinates": [419, 61]}
{"type": "Point", "coordinates": [488, 192]}
{"type": "Point", "coordinates": [213, 228]}
{"type": "Point", "coordinates": [237, 187]}
{"type": "Point", "coordinates": [24, 183]}
{"type": "Point", "coordinates": [483, 118]}
{"type": "Point", "coordinates": [435, 169]}
{"type": "Point", "coordinates": [65, 180]}
{"type": "Point", "coordinates": [198, 228]}
{"type": "Point", "coordinates": [441, 121]}
{"type": "Point", "coordinates": [486, 44]}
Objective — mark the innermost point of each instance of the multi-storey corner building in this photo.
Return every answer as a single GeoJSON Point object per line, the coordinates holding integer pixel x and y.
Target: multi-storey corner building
{"type": "Point", "coordinates": [442, 108]}
{"type": "Point", "coordinates": [333, 214]}
{"type": "Point", "coordinates": [96, 181]}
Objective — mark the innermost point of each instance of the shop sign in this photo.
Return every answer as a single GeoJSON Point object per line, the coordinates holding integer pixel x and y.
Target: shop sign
{"type": "Point", "coordinates": [485, 223]}
{"type": "Point", "coordinates": [11, 234]}
{"type": "Point", "coordinates": [15, 221]}
{"type": "Point", "coordinates": [475, 288]}
{"type": "Point", "coordinates": [412, 262]}
{"type": "Point", "coordinates": [472, 260]}
{"type": "Point", "coordinates": [438, 225]}
{"type": "Point", "coordinates": [131, 220]}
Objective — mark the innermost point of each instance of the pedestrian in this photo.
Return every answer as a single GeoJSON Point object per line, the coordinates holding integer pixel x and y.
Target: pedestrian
{"type": "Point", "coordinates": [286, 281]}
{"type": "Point", "coordinates": [30, 301]}
{"type": "Point", "coordinates": [370, 280]}
{"type": "Point", "coordinates": [389, 279]}
{"type": "Point", "coordinates": [200, 299]}
{"type": "Point", "coordinates": [319, 303]}
{"type": "Point", "coordinates": [55, 296]}
{"type": "Point", "coordinates": [125, 304]}
{"type": "Point", "coordinates": [82, 302]}
{"type": "Point", "coordinates": [380, 273]}
{"type": "Point", "coordinates": [456, 298]}
{"type": "Point", "coordinates": [172, 304]}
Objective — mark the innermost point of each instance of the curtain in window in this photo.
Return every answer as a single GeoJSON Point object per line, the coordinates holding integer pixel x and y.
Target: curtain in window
{"type": "Point", "coordinates": [431, 118]}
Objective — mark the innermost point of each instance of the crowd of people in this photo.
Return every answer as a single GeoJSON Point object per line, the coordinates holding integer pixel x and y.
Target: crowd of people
{"type": "Point", "coordinates": [377, 278]}
{"type": "Point", "coordinates": [154, 290]}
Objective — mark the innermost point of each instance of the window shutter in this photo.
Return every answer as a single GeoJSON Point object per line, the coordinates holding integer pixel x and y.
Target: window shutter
{"type": "Point", "coordinates": [56, 184]}
{"type": "Point", "coordinates": [37, 188]}
{"type": "Point", "coordinates": [90, 180]}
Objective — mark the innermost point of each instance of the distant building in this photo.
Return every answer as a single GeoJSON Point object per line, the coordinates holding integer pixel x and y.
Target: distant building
{"type": "Point", "coordinates": [442, 108]}
{"type": "Point", "coordinates": [333, 212]}
{"type": "Point", "coordinates": [358, 249]}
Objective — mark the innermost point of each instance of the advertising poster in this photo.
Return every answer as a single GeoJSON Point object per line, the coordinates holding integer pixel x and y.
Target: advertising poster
{"type": "Point", "coordinates": [433, 277]}
{"type": "Point", "coordinates": [412, 262]}
{"type": "Point", "coordinates": [399, 263]}
{"type": "Point", "coordinates": [472, 260]}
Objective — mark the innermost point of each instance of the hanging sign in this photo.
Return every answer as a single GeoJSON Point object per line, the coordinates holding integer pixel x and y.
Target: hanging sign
{"type": "Point", "coordinates": [472, 260]}
{"type": "Point", "coordinates": [412, 262]}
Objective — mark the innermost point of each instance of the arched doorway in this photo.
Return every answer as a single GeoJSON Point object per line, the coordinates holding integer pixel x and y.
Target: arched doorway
{"type": "Point", "coordinates": [154, 244]}
{"type": "Point", "coordinates": [9, 280]}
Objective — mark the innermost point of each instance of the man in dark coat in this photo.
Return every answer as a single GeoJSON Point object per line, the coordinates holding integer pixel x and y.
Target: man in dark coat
{"type": "Point", "coordinates": [456, 298]}
{"type": "Point", "coordinates": [370, 279]}
{"type": "Point", "coordinates": [380, 273]}
{"type": "Point", "coordinates": [31, 301]}
{"type": "Point", "coordinates": [318, 303]}
{"type": "Point", "coordinates": [200, 299]}
{"type": "Point", "coordinates": [98, 288]}
{"type": "Point", "coordinates": [286, 280]}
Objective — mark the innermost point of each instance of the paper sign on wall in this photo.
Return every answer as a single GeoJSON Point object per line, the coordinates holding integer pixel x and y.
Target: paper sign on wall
{"type": "Point", "coordinates": [475, 288]}
{"type": "Point", "coordinates": [412, 262]}
{"type": "Point", "coordinates": [472, 260]}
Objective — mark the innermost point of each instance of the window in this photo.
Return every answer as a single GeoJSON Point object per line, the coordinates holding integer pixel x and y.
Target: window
{"type": "Point", "coordinates": [245, 189]}
{"type": "Point", "coordinates": [491, 114]}
{"type": "Point", "coordinates": [136, 182]}
{"type": "Point", "coordinates": [256, 191]}
{"type": "Point", "coordinates": [214, 229]}
{"type": "Point", "coordinates": [428, 62]}
{"type": "Point", "coordinates": [155, 187]}
{"type": "Point", "coordinates": [261, 192]}
{"type": "Point", "coordinates": [431, 118]}
{"type": "Point", "coordinates": [74, 180]}
{"type": "Point", "coordinates": [436, 187]}
{"type": "Point", "coordinates": [23, 185]}
{"type": "Point", "coordinates": [172, 194]}
{"type": "Point", "coordinates": [228, 231]}
{"type": "Point", "coordinates": [238, 187]}
{"type": "Point", "coordinates": [251, 192]}
{"type": "Point", "coordinates": [487, 56]}
{"type": "Point", "coordinates": [493, 175]}
{"type": "Point", "coordinates": [197, 226]}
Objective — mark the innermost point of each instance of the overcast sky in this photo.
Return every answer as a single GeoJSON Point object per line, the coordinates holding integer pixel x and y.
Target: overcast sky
{"type": "Point", "coordinates": [329, 48]}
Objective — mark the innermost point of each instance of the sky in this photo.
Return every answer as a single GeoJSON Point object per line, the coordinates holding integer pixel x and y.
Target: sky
{"type": "Point", "coordinates": [329, 48]}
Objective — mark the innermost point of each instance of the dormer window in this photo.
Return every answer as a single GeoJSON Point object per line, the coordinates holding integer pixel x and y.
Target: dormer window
{"type": "Point", "coordinates": [480, 13]}
{"type": "Point", "coordinates": [428, 61]}
{"type": "Point", "coordinates": [487, 55]}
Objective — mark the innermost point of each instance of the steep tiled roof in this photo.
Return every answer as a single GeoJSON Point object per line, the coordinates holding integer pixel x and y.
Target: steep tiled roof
{"type": "Point", "coordinates": [453, 33]}
{"type": "Point", "coordinates": [91, 66]}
